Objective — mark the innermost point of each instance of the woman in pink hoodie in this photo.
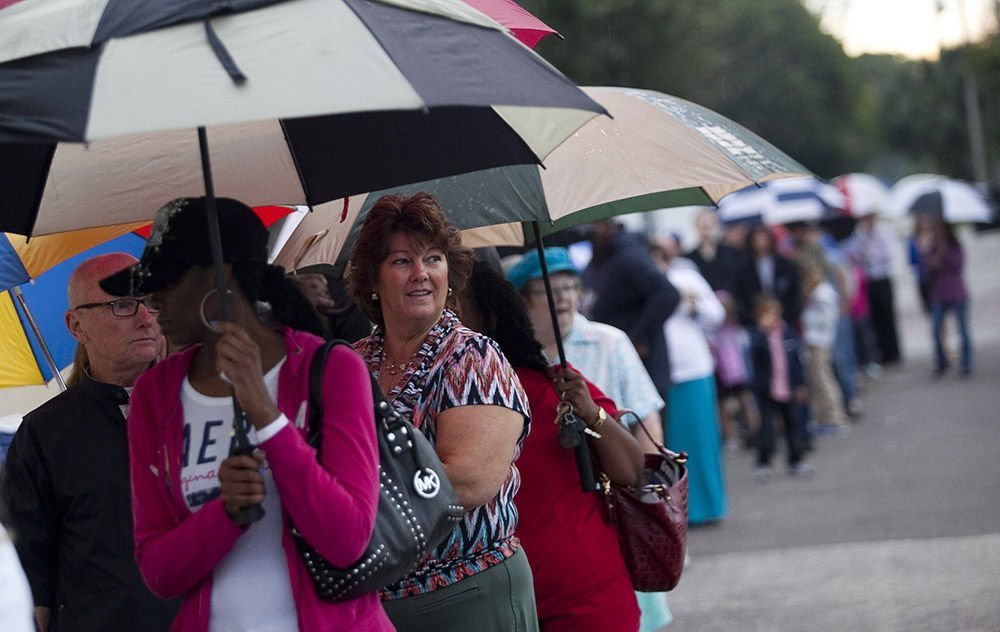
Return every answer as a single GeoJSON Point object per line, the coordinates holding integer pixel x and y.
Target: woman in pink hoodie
{"type": "Point", "coordinates": [190, 491]}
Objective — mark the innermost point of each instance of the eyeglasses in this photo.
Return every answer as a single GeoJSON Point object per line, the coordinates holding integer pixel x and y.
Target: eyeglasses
{"type": "Point", "coordinates": [563, 289]}
{"type": "Point", "coordinates": [123, 307]}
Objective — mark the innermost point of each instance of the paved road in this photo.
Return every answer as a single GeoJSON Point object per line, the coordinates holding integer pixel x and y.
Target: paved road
{"type": "Point", "coordinates": [900, 527]}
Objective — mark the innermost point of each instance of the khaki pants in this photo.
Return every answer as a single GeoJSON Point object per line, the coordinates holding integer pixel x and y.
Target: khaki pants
{"type": "Point", "coordinates": [824, 392]}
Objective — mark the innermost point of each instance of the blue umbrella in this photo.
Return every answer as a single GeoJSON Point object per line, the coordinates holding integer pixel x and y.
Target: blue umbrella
{"type": "Point", "coordinates": [32, 325]}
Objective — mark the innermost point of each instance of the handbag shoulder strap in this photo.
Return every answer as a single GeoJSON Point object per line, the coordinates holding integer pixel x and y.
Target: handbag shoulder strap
{"type": "Point", "coordinates": [681, 457]}
{"type": "Point", "coordinates": [384, 412]}
{"type": "Point", "coordinates": [316, 370]}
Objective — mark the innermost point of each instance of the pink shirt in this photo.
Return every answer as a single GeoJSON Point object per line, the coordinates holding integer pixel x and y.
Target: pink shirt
{"type": "Point", "coordinates": [332, 505]}
{"type": "Point", "coordinates": [780, 389]}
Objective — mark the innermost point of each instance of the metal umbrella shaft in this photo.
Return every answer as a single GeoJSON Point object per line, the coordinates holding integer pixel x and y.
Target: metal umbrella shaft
{"type": "Point", "coordinates": [16, 293]}
{"type": "Point", "coordinates": [241, 445]}
{"type": "Point", "coordinates": [584, 464]}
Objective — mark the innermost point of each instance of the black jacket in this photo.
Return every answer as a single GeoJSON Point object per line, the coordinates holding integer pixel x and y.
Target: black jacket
{"type": "Point", "coordinates": [636, 297]}
{"type": "Point", "coordinates": [760, 358]}
{"type": "Point", "coordinates": [787, 287]}
{"type": "Point", "coordinates": [731, 270]}
{"type": "Point", "coordinates": [66, 485]}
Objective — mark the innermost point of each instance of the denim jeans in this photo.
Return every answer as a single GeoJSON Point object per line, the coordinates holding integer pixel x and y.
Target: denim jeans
{"type": "Point", "coordinates": [845, 362]}
{"type": "Point", "coordinates": [961, 311]}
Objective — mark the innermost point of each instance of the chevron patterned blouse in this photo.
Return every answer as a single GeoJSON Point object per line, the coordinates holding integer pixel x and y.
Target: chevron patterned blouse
{"type": "Point", "coordinates": [454, 367]}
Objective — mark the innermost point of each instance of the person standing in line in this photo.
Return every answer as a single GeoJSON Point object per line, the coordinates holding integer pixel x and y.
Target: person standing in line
{"type": "Point", "coordinates": [693, 418]}
{"type": "Point", "coordinates": [775, 274]}
{"type": "Point", "coordinates": [730, 344]}
{"type": "Point", "coordinates": [779, 386]}
{"type": "Point", "coordinates": [602, 353]}
{"type": "Point", "coordinates": [815, 251]}
{"type": "Point", "coordinates": [920, 242]}
{"type": "Point", "coordinates": [819, 330]}
{"type": "Point", "coordinates": [408, 269]}
{"type": "Point", "coordinates": [632, 294]}
{"type": "Point", "coordinates": [872, 245]}
{"type": "Point", "coordinates": [944, 259]}
{"type": "Point", "coordinates": [724, 267]}
{"type": "Point", "coordinates": [190, 487]}
{"type": "Point", "coordinates": [581, 583]}
{"type": "Point", "coordinates": [66, 480]}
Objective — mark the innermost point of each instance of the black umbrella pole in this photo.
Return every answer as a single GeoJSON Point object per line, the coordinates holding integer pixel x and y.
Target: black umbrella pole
{"type": "Point", "coordinates": [584, 464]}
{"type": "Point", "coordinates": [241, 444]}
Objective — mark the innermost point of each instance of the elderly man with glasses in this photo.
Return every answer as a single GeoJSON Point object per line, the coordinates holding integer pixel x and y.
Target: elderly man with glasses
{"type": "Point", "coordinates": [66, 482]}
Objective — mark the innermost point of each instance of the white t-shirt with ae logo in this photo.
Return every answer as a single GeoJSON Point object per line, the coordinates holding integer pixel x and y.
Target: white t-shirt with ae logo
{"type": "Point", "coordinates": [250, 585]}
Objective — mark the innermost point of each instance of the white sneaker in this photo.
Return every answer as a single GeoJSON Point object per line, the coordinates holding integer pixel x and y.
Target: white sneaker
{"type": "Point", "coordinates": [763, 473]}
{"type": "Point", "coordinates": [802, 469]}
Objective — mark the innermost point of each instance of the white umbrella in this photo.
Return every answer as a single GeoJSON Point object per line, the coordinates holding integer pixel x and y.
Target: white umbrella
{"type": "Point", "coordinates": [953, 200]}
{"type": "Point", "coordinates": [864, 193]}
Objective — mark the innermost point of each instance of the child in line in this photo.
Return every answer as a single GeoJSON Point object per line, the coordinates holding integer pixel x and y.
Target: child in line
{"type": "Point", "coordinates": [731, 348]}
{"type": "Point", "coordinates": [779, 386]}
{"type": "Point", "coordinates": [819, 330]}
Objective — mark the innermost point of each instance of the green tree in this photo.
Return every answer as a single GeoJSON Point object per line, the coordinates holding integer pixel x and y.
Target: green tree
{"type": "Point", "coordinates": [765, 64]}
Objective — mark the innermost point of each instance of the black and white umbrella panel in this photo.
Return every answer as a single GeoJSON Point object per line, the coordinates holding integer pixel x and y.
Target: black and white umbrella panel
{"type": "Point", "coordinates": [340, 97]}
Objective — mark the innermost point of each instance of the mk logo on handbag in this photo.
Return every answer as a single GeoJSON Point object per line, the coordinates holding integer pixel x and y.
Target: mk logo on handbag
{"type": "Point", "coordinates": [426, 482]}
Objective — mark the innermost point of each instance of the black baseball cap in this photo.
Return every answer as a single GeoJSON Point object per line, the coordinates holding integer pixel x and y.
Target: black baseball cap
{"type": "Point", "coordinates": [180, 239]}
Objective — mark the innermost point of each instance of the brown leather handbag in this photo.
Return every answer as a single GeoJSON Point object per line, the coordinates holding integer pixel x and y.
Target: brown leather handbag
{"type": "Point", "coordinates": [651, 519]}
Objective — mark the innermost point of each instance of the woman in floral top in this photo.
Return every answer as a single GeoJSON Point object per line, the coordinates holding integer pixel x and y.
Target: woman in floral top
{"type": "Point", "coordinates": [407, 268]}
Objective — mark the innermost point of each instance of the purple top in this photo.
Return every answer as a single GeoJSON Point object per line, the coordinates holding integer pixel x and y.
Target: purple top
{"type": "Point", "coordinates": [944, 272]}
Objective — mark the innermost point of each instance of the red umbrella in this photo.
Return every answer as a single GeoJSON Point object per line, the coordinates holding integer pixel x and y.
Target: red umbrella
{"type": "Point", "coordinates": [267, 214]}
{"type": "Point", "coordinates": [528, 29]}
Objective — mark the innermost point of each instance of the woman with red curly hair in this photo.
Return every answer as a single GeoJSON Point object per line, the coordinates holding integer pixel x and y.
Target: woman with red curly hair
{"type": "Point", "coordinates": [407, 270]}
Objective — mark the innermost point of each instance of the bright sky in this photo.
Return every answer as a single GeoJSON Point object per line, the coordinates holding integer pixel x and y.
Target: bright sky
{"type": "Point", "coordinates": [914, 28]}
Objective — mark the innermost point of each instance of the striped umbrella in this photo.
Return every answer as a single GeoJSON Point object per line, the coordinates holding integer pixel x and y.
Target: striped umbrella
{"type": "Point", "coordinates": [300, 101]}
{"type": "Point", "coordinates": [784, 201]}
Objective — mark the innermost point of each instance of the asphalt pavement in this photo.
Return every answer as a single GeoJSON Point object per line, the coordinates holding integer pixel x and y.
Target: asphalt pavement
{"type": "Point", "coordinates": [899, 528]}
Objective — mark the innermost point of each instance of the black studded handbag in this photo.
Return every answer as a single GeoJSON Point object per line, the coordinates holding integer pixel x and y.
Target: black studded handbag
{"type": "Point", "coordinates": [417, 506]}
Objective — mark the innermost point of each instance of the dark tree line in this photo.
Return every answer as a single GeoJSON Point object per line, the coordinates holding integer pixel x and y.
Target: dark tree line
{"type": "Point", "coordinates": [767, 65]}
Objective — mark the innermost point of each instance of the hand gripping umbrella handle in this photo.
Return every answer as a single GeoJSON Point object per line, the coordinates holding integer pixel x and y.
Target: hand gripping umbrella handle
{"type": "Point", "coordinates": [250, 513]}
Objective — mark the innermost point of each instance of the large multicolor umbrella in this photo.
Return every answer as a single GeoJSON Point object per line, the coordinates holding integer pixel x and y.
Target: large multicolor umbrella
{"type": "Point", "coordinates": [657, 151]}
{"type": "Point", "coordinates": [522, 24]}
{"type": "Point", "coordinates": [300, 102]}
{"type": "Point", "coordinates": [32, 323]}
{"type": "Point", "coordinates": [34, 276]}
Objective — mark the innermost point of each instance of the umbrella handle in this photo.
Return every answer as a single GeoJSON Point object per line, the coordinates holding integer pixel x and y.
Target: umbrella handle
{"type": "Point", "coordinates": [584, 464]}
{"type": "Point", "coordinates": [242, 445]}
